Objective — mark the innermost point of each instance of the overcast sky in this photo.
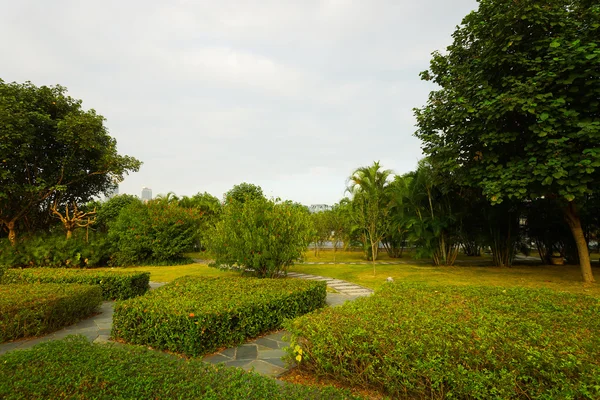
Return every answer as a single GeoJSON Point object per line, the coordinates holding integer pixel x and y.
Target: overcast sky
{"type": "Point", "coordinates": [291, 95]}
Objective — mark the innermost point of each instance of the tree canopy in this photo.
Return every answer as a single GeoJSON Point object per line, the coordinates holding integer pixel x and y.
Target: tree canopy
{"type": "Point", "coordinates": [50, 147]}
{"type": "Point", "coordinates": [518, 109]}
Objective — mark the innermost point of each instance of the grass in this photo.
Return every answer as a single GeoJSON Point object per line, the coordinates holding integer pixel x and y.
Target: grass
{"type": "Point", "coordinates": [559, 278]}
{"type": "Point", "coordinates": [171, 272]}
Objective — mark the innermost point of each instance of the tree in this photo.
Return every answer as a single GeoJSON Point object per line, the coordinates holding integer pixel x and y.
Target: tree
{"type": "Point", "coordinates": [49, 144]}
{"type": "Point", "coordinates": [321, 229]}
{"type": "Point", "coordinates": [243, 192]}
{"type": "Point", "coordinates": [261, 236]}
{"type": "Point", "coordinates": [210, 207]}
{"type": "Point", "coordinates": [518, 107]}
{"type": "Point", "coordinates": [367, 186]}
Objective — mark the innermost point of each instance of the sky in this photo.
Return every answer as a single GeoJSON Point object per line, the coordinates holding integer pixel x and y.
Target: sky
{"type": "Point", "coordinates": [291, 95]}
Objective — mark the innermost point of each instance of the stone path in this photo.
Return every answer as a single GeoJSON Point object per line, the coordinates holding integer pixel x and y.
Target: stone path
{"type": "Point", "coordinates": [263, 354]}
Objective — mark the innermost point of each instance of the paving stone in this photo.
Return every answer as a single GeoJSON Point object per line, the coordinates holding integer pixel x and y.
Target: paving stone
{"type": "Point", "coordinates": [266, 342]}
{"type": "Point", "coordinates": [229, 352]}
{"type": "Point", "coordinates": [265, 368]}
{"type": "Point", "coordinates": [102, 339]}
{"type": "Point", "coordinates": [278, 353]}
{"type": "Point", "coordinates": [276, 361]}
{"type": "Point", "coordinates": [360, 293]}
{"type": "Point", "coordinates": [278, 336]}
{"type": "Point", "coordinates": [246, 352]}
{"type": "Point", "coordinates": [238, 363]}
{"type": "Point", "coordinates": [216, 358]}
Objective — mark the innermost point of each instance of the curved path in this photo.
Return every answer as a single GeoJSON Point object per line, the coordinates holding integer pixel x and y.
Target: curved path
{"type": "Point", "coordinates": [263, 354]}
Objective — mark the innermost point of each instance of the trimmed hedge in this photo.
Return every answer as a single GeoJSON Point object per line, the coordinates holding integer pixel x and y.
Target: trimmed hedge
{"type": "Point", "coordinates": [74, 368]}
{"type": "Point", "coordinates": [417, 341]}
{"type": "Point", "coordinates": [32, 310]}
{"type": "Point", "coordinates": [198, 315]}
{"type": "Point", "coordinates": [114, 284]}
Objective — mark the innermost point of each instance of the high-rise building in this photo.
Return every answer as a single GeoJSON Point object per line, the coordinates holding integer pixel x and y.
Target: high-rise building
{"type": "Point", "coordinates": [146, 194]}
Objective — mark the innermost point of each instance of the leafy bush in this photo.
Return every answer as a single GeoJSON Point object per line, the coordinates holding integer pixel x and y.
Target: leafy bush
{"type": "Point", "coordinates": [263, 235]}
{"type": "Point", "coordinates": [114, 284]}
{"type": "Point", "coordinates": [75, 368]}
{"type": "Point", "coordinates": [419, 341]}
{"type": "Point", "coordinates": [32, 310]}
{"type": "Point", "coordinates": [155, 231]}
{"type": "Point", "coordinates": [2, 271]}
{"type": "Point", "coordinates": [56, 251]}
{"type": "Point", "coordinates": [197, 315]}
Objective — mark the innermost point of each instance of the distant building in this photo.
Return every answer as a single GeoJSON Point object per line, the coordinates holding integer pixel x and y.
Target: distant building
{"type": "Point", "coordinates": [313, 208]}
{"type": "Point", "coordinates": [146, 194]}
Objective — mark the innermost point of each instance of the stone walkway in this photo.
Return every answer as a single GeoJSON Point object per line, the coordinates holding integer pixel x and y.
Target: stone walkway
{"type": "Point", "coordinates": [264, 354]}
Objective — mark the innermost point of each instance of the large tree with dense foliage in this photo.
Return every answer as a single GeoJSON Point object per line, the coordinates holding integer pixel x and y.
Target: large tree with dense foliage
{"type": "Point", "coordinates": [519, 104]}
{"type": "Point", "coordinates": [49, 145]}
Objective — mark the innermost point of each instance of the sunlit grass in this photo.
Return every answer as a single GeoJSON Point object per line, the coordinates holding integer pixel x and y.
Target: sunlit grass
{"type": "Point", "coordinates": [560, 278]}
{"type": "Point", "coordinates": [169, 273]}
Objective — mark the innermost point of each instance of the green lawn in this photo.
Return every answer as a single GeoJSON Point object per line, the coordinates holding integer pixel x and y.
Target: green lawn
{"type": "Point", "coordinates": [560, 278]}
{"type": "Point", "coordinates": [171, 272]}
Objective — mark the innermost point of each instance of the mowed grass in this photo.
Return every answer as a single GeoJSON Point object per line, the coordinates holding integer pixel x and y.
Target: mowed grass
{"type": "Point", "coordinates": [559, 278]}
{"type": "Point", "coordinates": [171, 272]}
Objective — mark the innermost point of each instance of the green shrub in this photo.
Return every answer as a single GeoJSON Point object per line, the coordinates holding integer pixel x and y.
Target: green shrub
{"type": "Point", "coordinates": [74, 368]}
{"type": "Point", "coordinates": [419, 341]}
{"type": "Point", "coordinates": [32, 310]}
{"type": "Point", "coordinates": [156, 231]}
{"type": "Point", "coordinates": [56, 251]}
{"type": "Point", "coordinates": [3, 269]}
{"type": "Point", "coordinates": [114, 284]}
{"type": "Point", "coordinates": [197, 315]}
{"type": "Point", "coordinates": [262, 235]}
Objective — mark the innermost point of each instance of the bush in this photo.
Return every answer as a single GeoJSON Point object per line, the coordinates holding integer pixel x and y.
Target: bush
{"type": "Point", "coordinates": [418, 341]}
{"type": "Point", "coordinates": [3, 269]}
{"type": "Point", "coordinates": [33, 310]}
{"type": "Point", "coordinates": [56, 252]}
{"type": "Point", "coordinates": [262, 235]}
{"type": "Point", "coordinates": [114, 284]}
{"type": "Point", "coordinates": [197, 315]}
{"type": "Point", "coordinates": [156, 231]}
{"type": "Point", "coordinates": [75, 368]}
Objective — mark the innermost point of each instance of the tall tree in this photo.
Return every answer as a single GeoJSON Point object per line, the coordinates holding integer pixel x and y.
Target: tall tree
{"type": "Point", "coordinates": [49, 144]}
{"type": "Point", "coordinates": [519, 104]}
{"type": "Point", "coordinates": [367, 185]}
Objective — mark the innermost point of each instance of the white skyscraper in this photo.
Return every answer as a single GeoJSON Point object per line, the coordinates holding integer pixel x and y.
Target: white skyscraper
{"type": "Point", "coordinates": [146, 194]}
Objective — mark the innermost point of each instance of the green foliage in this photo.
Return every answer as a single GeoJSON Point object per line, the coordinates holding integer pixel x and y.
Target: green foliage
{"type": "Point", "coordinates": [519, 99]}
{"type": "Point", "coordinates": [49, 144]}
{"type": "Point", "coordinates": [36, 309]}
{"type": "Point", "coordinates": [157, 231]}
{"type": "Point", "coordinates": [3, 269]}
{"type": "Point", "coordinates": [56, 251]}
{"type": "Point", "coordinates": [114, 284]}
{"type": "Point", "coordinates": [210, 207]}
{"type": "Point", "coordinates": [420, 341]}
{"type": "Point", "coordinates": [367, 185]}
{"type": "Point", "coordinates": [74, 368]}
{"type": "Point", "coordinates": [197, 315]}
{"type": "Point", "coordinates": [265, 236]}
{"type": "Point", "coordinates": [108, 211]}
{"type": "Point", "coordinates": [242, 192]}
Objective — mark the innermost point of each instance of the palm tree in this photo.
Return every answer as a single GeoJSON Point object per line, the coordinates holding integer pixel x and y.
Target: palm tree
{"type": "Point", "coordinates": [367, 186]}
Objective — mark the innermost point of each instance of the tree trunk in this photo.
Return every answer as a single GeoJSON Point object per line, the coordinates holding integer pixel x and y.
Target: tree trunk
{"type": "Point", "coordinates": [374, 255]}
{"type": "Point", "coordinates": [12, 233]}
{"type": "Point", "coordinates": [574, 222]}
{"type": "Point", "coordinates": [69, 234]}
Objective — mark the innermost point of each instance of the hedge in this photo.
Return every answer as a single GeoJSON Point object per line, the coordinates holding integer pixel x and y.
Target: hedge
{"type": "Point", "coordinates": [114, 284]}
{"type": "Point", "coordinates": [76, 369]}
{"type": "Point", "coordinates": [198, 315]}
{"type": "Point", "coordinates": [419, 341]}
{"type": "Point", "coordinates": [33, 310]}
